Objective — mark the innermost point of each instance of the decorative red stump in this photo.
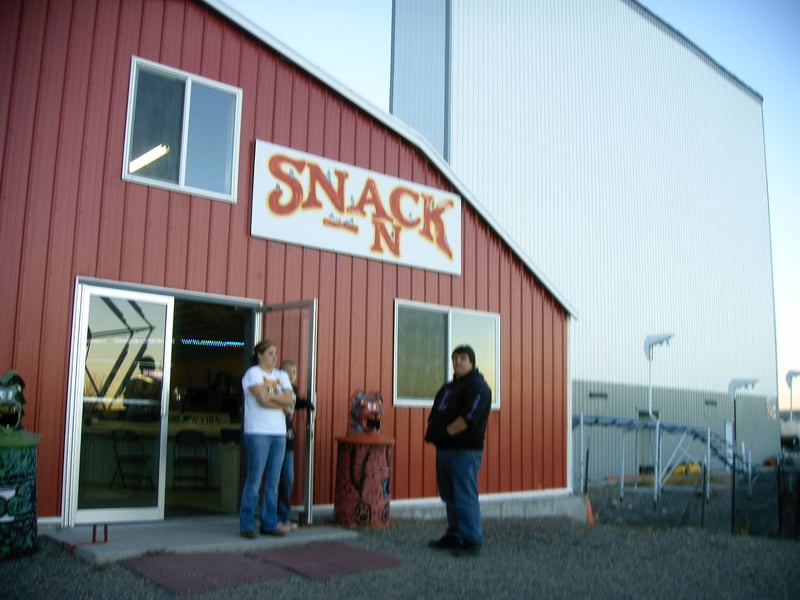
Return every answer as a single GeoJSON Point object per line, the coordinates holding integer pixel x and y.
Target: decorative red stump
{"type": "Point", "coordinates": [363, 475]}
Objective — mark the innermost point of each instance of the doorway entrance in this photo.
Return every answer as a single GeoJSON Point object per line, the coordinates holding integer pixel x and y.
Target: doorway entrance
{"type": "Point", "coordinates": [151, 371]}
{"type": "Point", "coordinates": [211, 345]}
{"type": "Point", "coordinates": [155, 401]}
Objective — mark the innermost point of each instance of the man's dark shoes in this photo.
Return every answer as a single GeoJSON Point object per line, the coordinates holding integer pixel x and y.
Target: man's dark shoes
{"type": "Point", "coordinates": [467, 549]}
{"type": "Point", "coordinates": [250, 534]}
{"type": "Point", "coordinates": [446, 542]}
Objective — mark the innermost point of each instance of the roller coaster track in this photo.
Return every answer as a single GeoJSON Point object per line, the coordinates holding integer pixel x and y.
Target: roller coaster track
{"type": "Point", "coordinates": [715, 444]}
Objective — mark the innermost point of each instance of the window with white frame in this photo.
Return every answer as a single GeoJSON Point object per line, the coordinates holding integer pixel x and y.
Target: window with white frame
{"type": "Point", "coordinates": [182, 132]}
{"type": "Point", "coordinates": [425, 336]}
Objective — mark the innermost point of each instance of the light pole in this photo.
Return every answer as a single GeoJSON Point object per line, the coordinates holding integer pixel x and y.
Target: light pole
{"type": "Point", "coordinates": [650, 341]}
{"type": "Point", "coordinates": [654, 340]}
{"type": "Point", "coordinates": [734, 385]}
{"type": "Point", "coordinates": [789, 376]}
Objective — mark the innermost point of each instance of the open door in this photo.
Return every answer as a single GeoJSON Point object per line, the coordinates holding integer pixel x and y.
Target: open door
{"type": "Point", "coordinates": [293, 328]}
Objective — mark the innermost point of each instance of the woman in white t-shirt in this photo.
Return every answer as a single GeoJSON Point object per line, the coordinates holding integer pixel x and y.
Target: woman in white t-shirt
{"type": "Point", "coordinates": [267, 394]}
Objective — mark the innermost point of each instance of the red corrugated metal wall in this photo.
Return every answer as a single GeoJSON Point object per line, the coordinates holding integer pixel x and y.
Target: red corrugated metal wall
{"type": "Point", "coordinates": [65, 211]}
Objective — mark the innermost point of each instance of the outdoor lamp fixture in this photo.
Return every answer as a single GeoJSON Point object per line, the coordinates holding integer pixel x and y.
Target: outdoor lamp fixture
{"type": "Point", "coordinates": [649, 342]}
{"type": "Point", "coordinates": [734, 385]}
{"type": "Point", "coordinates": [789, 376]}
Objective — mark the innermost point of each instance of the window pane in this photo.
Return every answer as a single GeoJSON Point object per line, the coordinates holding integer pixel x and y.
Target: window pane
{"type": "Point", "coordinates": [421, 352]}
{"type": "Point", "coordinates": [155, 149]}
{"type": "Point", "coordinates": [209, 152]}
{"type": "Point", "coordinates": [480, 332]}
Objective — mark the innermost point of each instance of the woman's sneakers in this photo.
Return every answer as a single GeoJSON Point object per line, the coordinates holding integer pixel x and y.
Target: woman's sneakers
{"type": "Point", "coordinates": [281, 529]}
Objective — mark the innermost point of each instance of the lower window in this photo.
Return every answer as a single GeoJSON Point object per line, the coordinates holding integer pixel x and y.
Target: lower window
{"type": "Point", "coordinates": [425, 336]}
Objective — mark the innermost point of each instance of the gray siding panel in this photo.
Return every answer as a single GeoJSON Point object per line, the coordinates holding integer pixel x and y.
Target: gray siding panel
{"type": "Point", "coordinates": [420, 52]}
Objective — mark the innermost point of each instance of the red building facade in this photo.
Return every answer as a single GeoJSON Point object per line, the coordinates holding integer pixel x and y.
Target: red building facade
{"type": "Point", "coordinates": [66, 213]}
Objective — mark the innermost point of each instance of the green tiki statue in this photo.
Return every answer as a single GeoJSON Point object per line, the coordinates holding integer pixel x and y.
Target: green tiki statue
{"type": "Point", "coordinates": [11, 401]}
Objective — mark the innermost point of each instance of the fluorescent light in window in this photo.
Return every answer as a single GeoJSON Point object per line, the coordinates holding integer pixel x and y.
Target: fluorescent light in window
{"type": "Point", "coordinates": [145, 159]}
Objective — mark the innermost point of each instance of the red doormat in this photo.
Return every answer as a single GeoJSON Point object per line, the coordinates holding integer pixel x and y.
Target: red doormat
{"type": "Point", "coordinates": [323, 560]}
{"type": "Point", "coordinates": [202, 571]}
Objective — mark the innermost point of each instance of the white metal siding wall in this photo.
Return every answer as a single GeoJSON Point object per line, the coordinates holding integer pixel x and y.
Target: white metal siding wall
{"type": "Point", "coordinates": [631, 169]}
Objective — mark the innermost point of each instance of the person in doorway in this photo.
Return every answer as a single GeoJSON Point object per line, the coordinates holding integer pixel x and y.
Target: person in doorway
{"type": "Point", "coordinates": [267, 394]}
{"type": "Point", "coordinates": [457, 427]}
{"type": "Point", "coordinates": [286, 483]}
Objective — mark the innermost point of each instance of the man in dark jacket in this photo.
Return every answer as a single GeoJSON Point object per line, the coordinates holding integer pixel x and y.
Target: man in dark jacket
{"type": "Point", "coordinates": [457, 426]}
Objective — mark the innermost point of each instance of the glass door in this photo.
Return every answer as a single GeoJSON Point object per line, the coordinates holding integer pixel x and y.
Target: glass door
{"type": "Point", "coordinates": [293, 328]}
{"type": "Point", "coordinates": [118, 405]}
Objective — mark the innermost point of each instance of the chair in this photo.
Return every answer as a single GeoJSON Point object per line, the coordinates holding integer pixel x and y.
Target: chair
{"type": "Point", "coordinates": [133, 462]}
{"type": "Point", "coordinates": [191, 459]}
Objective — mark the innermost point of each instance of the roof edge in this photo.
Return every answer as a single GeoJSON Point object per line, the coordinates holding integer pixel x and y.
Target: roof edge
{"type": "Point", "coordinates": [396, 125]}
{"type": "Point", "coordinates": [702, 54]}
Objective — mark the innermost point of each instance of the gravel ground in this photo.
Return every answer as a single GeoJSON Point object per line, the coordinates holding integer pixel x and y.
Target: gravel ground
{"type": "Point", "coordinates": [633, 550]}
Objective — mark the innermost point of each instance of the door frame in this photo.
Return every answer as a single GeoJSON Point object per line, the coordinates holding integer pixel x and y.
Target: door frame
{"type": "Point", "coordinates": [84, 288]}
{"type": "Point", "coordinates": [75, 404]}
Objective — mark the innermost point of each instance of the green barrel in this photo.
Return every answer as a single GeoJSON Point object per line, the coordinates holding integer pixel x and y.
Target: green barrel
{"type": "Point", "coordinates": [18, 530]}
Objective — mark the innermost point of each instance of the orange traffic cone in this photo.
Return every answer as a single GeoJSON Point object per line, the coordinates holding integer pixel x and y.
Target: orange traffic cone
{"type": "Point", "coordinates": [589, 512]}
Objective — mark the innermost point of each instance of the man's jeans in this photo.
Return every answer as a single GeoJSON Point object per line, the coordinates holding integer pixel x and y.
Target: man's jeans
{"type": "Point", "coordinates": [457, 478]}
{"type": "Point", "coordinates": [264, 461]}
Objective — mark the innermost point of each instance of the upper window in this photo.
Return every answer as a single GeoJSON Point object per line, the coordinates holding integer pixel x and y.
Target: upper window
{"type": "Point", "coordinates": [425, 336]}
{"type": "Point", "coordinates": [182, 132]}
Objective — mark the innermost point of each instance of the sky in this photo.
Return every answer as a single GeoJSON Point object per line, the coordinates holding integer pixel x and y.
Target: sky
{"type": "Point", "coordinates": [758, 41]}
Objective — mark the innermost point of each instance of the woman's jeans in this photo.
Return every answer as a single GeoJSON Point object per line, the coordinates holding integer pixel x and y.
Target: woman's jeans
{"type": "Point", "coordinates": [264, 462]}
{"type": "Point", "coordinates": [457, 478]}
{"type": "Point", "coordinates": [285, 488]}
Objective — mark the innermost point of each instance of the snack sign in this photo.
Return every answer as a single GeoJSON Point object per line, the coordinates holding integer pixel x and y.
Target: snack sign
{"type": "Point", "coordinates": [308, 200]}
